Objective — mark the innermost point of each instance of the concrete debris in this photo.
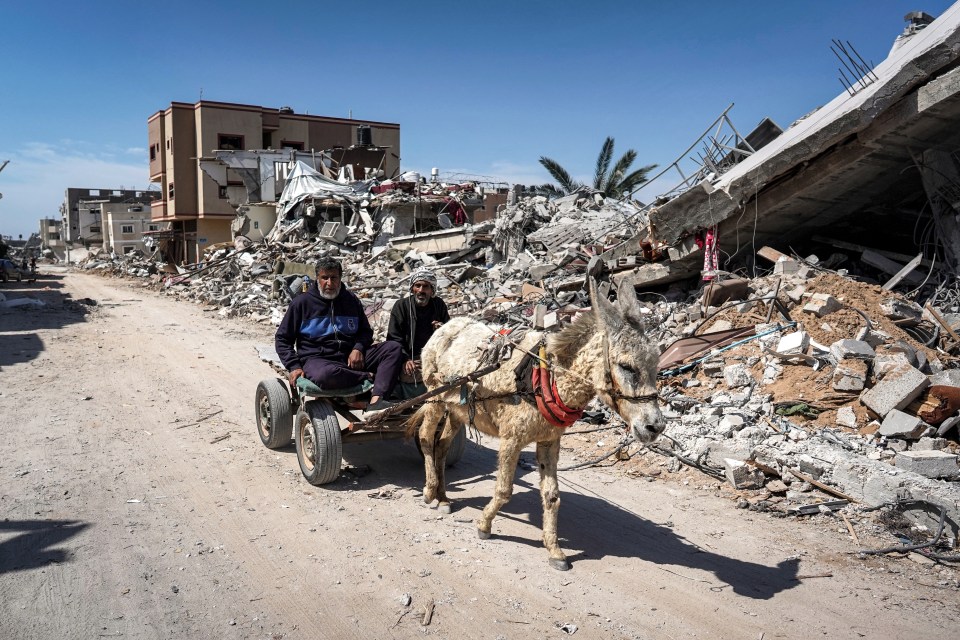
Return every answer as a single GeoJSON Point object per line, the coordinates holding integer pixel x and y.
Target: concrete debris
{"type": "Point", "coordinates": [928, 463]}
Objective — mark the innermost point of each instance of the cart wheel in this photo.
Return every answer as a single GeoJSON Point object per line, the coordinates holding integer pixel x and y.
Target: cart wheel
{"type": "Point", "coordinates": [274, 415]}
{"type": "Point", "coordinates": [319, 446]}
{"type": "Point", "coordinates": [457, 446]}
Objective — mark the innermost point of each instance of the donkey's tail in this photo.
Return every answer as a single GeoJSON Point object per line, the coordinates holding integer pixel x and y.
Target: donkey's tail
{"type": "Point", "coordinates": [414, 421]}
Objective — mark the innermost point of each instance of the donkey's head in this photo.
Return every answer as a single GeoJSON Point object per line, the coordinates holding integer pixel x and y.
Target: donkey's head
{"type": "Point", "coordinates": [630, 361]}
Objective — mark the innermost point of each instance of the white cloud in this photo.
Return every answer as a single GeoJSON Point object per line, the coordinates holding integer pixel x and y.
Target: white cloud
{"type": "Point", "coordinates": [34, 182]}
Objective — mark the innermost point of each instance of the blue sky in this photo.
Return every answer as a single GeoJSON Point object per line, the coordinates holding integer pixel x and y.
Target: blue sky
{"type": "Point", "coordinates": [478, 88]}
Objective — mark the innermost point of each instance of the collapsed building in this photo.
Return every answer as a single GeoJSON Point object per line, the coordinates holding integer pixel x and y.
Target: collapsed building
{"type": "Point", "coordinates": [821, 352]}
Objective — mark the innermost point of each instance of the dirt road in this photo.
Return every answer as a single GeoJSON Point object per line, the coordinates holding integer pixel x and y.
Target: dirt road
{"type": "Point", "coordinates": [138, 502]}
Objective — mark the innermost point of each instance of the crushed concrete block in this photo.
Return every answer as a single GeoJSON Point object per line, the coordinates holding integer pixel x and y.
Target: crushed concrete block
{"type": "Point", "coordinates": [846, 417]}
{"type": "Point", "coordinates": [887, 362]}
{"type": "Point", "coordinates": [930, 464]}
{"type": "Point", "coordinates": [796, 342]}
{"type": "Point", "coordinates": [930, 444]}
{"type": "Point", "coordinates": [729, 424]}
{"type": "Point", "coordinates": [737, 375]}
{"type": "Point", "coordinates": [948, 424]}
{"type": "Point", "coordinates": [902, 347]}
{"type": "Point", "coordinates": [741, 475]}
{"type": "Point", "coordinates": [713, 368]}
{"type": "Point", "coordinates": [850, 375]}
{"type": "Point", "coordinates": [785, 267]}
{"type": "Point", "coordinates": [898, 424]}
{"type": "Point", "coordinates": [897, 445]}
{"type": "Point", "coordinates": [873, 337]}
{"type": "Point", "coordinates": [822, 304]}
{"type": "Point", "coordinates": [948, 377]}
{"type": "Point", "coordinates": [899, 388]}
{"type": "Point", "coordinates": [853, 349]}
{"type": "Point", "coordinates": [796, 293]}
{"type": "Point", "coordinates": [776, 486]}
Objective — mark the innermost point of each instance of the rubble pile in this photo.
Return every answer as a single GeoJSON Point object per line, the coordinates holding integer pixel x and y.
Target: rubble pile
{"type": "Point", "coordinates": [801, 379]}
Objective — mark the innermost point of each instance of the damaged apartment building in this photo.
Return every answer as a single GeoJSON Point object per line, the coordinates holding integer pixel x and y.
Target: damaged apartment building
{"type": "Point", "coordinates": [196, 207]}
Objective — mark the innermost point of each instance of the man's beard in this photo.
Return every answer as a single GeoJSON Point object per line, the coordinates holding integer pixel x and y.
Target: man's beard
{"type": "Point", "coordinates": [421, 299]}
{"type": "Point", "coordinates": [329, 296]}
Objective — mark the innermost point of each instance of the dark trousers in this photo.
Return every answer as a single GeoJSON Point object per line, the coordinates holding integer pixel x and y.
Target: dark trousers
{"type": "Point", "coordinates": [383, 360]}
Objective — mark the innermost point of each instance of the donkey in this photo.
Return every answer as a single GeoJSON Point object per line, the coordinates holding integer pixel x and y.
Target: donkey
{"type": "Point", "coordinates": [603, 353]}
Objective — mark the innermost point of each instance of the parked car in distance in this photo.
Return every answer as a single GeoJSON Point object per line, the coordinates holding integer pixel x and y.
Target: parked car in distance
{"type": "Point", "coordinates": [9, 271]}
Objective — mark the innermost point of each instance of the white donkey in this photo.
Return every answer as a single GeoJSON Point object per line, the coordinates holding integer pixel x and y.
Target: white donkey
{"type": "Point", "coordinates": [603, 353]}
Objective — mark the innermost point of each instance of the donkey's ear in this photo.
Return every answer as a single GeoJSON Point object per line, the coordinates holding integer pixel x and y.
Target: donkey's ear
{"type": "Point", "coordinates": [606, 312]}
{"type": "Point", "coordinates": [627, 296]}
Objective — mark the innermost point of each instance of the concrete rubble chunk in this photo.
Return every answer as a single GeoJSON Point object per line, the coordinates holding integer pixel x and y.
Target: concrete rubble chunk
{"type": "Point", "coordinates": [853, 349]}
{"type": "Point", "coordinates": [713, 368]}
{"type": "Point", "coordinates": [898, 424]}
{"type": "Point", "coordinates": [737, 375]}
{"type": "Point", "coordinates": [850, 375]}
{"type": "Point", "coordinates": [796, 342]}
{"type": "Point", "coordinates": [948, 424]}
{"type": "Point", "coordinates": [930, 464]}
{"type": "Point", "coordinates": [741, 475]}
{"type": "Point", "coordinates": [930, 444]}
{"type": "Point", "coordinates": [822, 304]}
{"type": "Point", "coordinates": [899, 388]}
{"type": "Point", "coordinates": [846, 417]}
{"type": "Point", "coordinates": [785, 267]}
{"type": "Point", "coordinates": [948, 377]}
{"type": "Point", "coordinates": [884, 363]}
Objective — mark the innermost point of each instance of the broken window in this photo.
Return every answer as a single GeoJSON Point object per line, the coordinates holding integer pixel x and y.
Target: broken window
{"type": "Point", "coordinates": [290, 144]}
{"type": "Point", "coordinates": [222, 192]}
{"type": "Point", "coordinates": [170, 191]}
{"type": "Point", "coordinates": [153, 152]}
{"type": "Point", "coordinates": [128, 248]}
{"type": "Point", "coordinates": [229, 142]}
{"type": "Point", "coordinates": [126, 228]}
{"type": "Point", "coordinates": [95, 229]}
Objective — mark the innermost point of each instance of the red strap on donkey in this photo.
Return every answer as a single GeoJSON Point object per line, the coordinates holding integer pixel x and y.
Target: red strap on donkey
{"type": "Point", "coordinates": [545, 391]}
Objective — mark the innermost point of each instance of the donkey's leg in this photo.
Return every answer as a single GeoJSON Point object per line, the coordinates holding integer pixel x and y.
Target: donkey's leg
{"type": "Point", "coordinates": [427, 436]}
{"type": "Point", "coordinates": [548, 454]}
{"type": "Point", "coordinates": [440, 459]}
{"type": "Point", "coordinates": [506, 468]}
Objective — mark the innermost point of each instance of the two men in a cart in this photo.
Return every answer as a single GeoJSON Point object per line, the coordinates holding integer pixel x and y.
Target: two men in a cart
{"type": "Point", "coordinates": [326, 337]}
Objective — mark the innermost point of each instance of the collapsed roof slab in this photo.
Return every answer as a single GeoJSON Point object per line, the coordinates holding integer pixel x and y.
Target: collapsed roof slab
{"type": "Point", "coordinates": [847, 156]}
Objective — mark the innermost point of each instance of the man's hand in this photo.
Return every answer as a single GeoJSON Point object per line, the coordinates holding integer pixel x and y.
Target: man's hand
{"type": "Point", "coordinates": [293, 375]}
{"type": "Point", "coordinates": [436, 324]}
{"type": "Point", "coordinates": [411, 367]}
{"type": "Point", "coordinates": [355, 360]}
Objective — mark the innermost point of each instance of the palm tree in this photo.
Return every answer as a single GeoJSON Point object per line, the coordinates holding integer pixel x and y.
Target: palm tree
{"type": "Point", "coordinates": [613, 184]}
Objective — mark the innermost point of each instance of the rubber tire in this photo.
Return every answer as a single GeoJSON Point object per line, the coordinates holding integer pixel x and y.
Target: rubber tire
{"type": "Point", "coordinates": [319, 444]}
{"type": "Point", "coordinates": [457, 447]}
{"type": "Point", "coordinates": [276, 427]}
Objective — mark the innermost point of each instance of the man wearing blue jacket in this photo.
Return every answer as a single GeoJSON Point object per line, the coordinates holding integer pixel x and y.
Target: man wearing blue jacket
{"type": "Point", "coordinates": [326, 337]}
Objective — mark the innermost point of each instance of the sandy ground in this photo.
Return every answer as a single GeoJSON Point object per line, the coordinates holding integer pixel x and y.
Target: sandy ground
{"type": "Point", "coordinates": [138, 502]}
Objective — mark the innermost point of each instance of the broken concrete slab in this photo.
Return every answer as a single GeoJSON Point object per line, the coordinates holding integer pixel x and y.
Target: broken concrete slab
{"type": "Point", "coordinates": [741, 475]}
{"type": "Point", "coordinates": [930, 464]}
{"type": "Point", "coordinates": [850, 375]}
{"type": "Point", "coordinates": [899, 388]}
{"type": "Point", "coordinates": [822, 304]}
{"type": "Point", "coordinates": [898, 424]}
{"type": "Point", "coordinates": [852, 349]}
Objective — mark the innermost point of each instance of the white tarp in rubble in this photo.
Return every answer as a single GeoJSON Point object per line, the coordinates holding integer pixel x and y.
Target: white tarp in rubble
{"type": "Point", "coordinates": [303, 182]}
